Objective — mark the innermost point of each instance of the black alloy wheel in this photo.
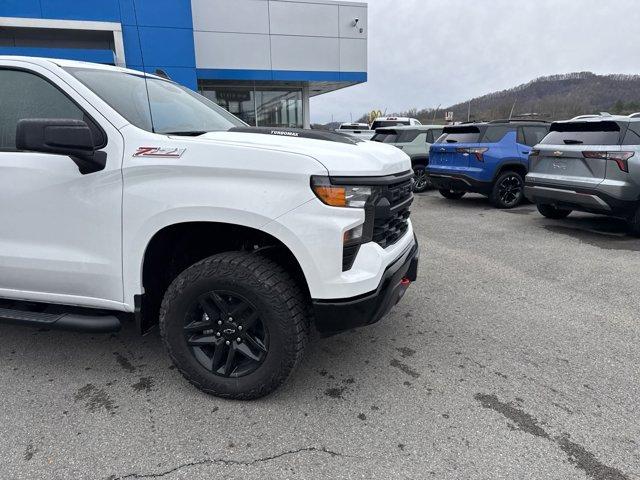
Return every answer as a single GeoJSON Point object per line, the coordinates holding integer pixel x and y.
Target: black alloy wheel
{"type": "Point", "coordinates": [226, 335]}
{"type": "Point", "coordinates": [508, 190]}
{"type": "Point", "coordinates": [422, 182]}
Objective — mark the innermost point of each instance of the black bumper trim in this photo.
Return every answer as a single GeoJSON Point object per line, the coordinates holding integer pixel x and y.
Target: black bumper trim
{"type": "Point", "coordinates": [335, 316]}
{"type": "Point", "coordinates": [459, 182]}
{"type": "Point", "coordinates": [616, 207]}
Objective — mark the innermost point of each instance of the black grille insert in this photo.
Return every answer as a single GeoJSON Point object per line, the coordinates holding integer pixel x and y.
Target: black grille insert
{"type": "Point", "coordinates": [392, 212]}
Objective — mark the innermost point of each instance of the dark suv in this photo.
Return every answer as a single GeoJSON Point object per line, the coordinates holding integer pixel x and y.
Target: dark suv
{"type": "Point", "coordinates": [487, 158]}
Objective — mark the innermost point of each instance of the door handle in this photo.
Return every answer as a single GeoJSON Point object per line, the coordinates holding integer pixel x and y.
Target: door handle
{"type": "Point", "coordinates": [525, 152]}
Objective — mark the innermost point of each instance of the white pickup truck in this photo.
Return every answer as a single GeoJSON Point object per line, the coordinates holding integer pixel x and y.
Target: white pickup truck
{"type": "Point", "coordinates": [128, 197]}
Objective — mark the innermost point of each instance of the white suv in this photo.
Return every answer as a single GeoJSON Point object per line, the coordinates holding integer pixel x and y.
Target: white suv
{"type": "Point", "coordinates": [125, 195]}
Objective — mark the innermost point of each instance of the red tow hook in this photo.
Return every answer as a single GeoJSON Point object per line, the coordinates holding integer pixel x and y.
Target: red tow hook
{"type": "Point", "coordinates": [405, 282]}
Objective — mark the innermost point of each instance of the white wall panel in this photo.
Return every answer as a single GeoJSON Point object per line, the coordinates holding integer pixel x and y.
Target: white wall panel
{"type": "Point", "coordinates": [243, 16]}
{"type": "Point", "coordinates": [305, 53]}
{"type": "Point", "coordinates": [347, 16]}
{"type": "Point", "coordinates": [308, 19]}
{"type": "Point", "coordinates": [353, 55]}
{"type": "Point", "coordinates": [232, 51]}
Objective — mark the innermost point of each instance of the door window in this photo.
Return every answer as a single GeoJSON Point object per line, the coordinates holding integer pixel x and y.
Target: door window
{"type": "Point", "coordinates": [27, 95]}
{"type": "Point", "coordinates": [534, 135]}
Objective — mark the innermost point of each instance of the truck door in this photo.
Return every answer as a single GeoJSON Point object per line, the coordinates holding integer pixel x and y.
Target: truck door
{"type": "Point", "coordinates": [60, 230]}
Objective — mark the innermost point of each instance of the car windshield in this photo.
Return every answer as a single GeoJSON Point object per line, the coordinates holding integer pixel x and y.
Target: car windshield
{"type": "Point", "coordinates": [156, 105]}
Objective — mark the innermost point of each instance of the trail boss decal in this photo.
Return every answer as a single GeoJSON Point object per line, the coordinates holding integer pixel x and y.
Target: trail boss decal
{"type": "Point", "coordinates": [159, 152]}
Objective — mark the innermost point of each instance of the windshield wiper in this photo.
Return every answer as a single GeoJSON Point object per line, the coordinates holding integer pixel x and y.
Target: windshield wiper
{"type": "Point", "coordinates": [188, 133]}
{"type": "Point", "coordinates": [573, 142]}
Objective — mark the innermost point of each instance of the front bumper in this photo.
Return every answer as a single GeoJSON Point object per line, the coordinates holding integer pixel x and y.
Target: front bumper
{"type": "Point", "coordinates": [335, 316]}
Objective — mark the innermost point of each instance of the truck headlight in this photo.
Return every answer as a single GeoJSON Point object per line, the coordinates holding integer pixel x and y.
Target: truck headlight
{"type": "Point", "coordinates": [350, 196]}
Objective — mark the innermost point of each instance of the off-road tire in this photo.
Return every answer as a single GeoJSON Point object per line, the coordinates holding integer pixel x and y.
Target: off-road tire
{"type": "Point", "coordinates": [501, 199]}
{"type": "Point", "coordinates": [452, 194]}
{"type": "Point", "coordinates": [555, 213]}
{"type": "Point", "coordinates": [283, 308]}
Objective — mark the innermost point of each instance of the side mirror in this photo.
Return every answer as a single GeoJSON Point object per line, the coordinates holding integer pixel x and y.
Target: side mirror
{"type": "Point", "coordinates": [61, 136]}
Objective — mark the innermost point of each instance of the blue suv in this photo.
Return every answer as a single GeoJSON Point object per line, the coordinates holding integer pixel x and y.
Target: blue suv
{"type": "Point", "coordinates": [487, 158]}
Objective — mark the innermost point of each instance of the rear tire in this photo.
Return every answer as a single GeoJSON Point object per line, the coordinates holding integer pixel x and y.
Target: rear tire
{"type": "Point", "coordinates": [552, 212]}
{"type": "Point", "coordinates": [422, 180]}
{"type": "Point", "coordinates": [508, 190]}
{"type": "Point", "coordinates": [263, 318]}
{"type": "Point", "coordinates": [452, 194]}
{"type": "Point", "coordinates": [634, 223]}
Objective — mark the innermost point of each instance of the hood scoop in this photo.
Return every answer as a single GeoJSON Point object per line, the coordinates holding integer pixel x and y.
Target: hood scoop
{"type": "Point", "coordinates": [299, 133]}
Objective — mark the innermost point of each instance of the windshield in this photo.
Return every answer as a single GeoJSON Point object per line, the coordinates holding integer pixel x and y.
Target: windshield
{"type": "Point", "coordinates": [169, 108]}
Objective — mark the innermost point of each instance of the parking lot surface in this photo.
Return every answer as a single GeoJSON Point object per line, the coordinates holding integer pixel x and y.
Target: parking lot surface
{"type": "Point", "coordinates": [515, 355]}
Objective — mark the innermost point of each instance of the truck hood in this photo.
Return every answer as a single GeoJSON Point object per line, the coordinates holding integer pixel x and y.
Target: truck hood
{"type": "Point", "coordinates": [363, 158]}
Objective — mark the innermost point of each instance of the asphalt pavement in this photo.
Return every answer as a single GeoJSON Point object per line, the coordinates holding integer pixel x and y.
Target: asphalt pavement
{"type": "Point", "coordinates": [514, 355]}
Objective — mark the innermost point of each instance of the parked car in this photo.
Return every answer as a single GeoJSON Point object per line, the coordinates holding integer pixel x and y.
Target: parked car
{"type": "Point", "coordinates": [126, 195]}
{"type": "Point", "coordinates": [487, 158]}
{"type": "Point", "coordinates": [393, 122]}
{"type": "Point", "coordinates": [591, 165]}
{"type": "Point", "coordinates": [357, 130]}
{"type": "Point", "coordinates": [414, 141]}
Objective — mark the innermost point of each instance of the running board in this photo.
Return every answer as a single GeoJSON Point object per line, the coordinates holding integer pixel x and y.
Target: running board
{"type": "Point", "coordinates": [61, 321]}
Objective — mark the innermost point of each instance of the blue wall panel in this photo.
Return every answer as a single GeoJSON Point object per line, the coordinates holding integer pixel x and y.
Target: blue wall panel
{"type": "Point", "coordinates": [131, 41]}
{"type": "Point", "coordinates": [171, 47]}
{"type": "Point", "coordinates": [164, 13]}
{"type": "Point", "coordinates": [100, 10]}
{"type": "Point", "coordinates": [20, 8]}
{"type": "Point", "coordinates": [184, 76]}
{"type": "Point", "coordinates": [127, 12]}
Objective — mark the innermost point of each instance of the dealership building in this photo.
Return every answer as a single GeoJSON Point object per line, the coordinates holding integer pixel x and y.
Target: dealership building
{"type": "Point", "coordinates": [260, 59]}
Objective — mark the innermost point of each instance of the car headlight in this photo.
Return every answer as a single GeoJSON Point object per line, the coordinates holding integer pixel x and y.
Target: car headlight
{"type": "Point", "coordinates": [349, 196]}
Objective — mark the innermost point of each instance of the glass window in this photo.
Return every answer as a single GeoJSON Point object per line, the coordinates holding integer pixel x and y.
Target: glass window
{"type": "Point", "coordinates": [407, 136]}
{"type": "Point", "coordinates": [156, 105]}
{"type": "Point", "coordinates": [26, 95]}
{"type": "Point", "coordinates": [239, 101]}
{"type": "Point", "coordinates": [434, 135]}
{"type": "Point", "coordinates": [534, 135]}
{"type": "Point", "coordinates": [388, 123]}
{"type": "Point", "coordinates": [460, 135]}
{"type": "Point", "coordinates": [495, 134]}
{"type": "Point", "coordinates": [279, 108]}
{"type": "Point", "coordinates": [583, 133]}
{"type": "Point", "coordinates": [632, 136]}
{"type": "Point", "coordinates": [258, 105]}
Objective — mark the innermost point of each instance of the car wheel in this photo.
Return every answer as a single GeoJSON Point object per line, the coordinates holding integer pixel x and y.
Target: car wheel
{"type": "Point", "coordinates": [452, 194]}
{"type": "Point", "coordinates": [634, 223]}
{"type": "Point", "coordinates": [508, 190]}
{"type": "Point", "coordinates": [555, 213]}
{"type": "Point", "coordinates": [422, 182]}
{"type": "Point", "coordinates": [235, 325]}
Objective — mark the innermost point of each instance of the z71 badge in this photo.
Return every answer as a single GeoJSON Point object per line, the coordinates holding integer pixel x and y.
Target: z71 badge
{"type": "Point", "coordinates": [159, 152]}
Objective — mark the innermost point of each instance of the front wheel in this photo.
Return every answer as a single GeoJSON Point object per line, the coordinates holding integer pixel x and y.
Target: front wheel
{"type": "Point", "coordinates": [555, 213]}
{"type": "Point", "coordinates": [508, 190]}
{"type": "Point", "coordinates": [422, 181]}
{"type": "Point", "coordinates": [452, 194]}
{"type": "Point", "coordinates": [235, 325]}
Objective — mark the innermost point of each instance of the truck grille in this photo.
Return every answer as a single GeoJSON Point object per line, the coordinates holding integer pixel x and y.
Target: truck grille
{"type": "Point", "coordinates": [392, 212]}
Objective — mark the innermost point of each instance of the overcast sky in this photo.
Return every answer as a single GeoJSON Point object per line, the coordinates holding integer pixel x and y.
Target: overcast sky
{"type": "Point", "coordinates": [425, 53]}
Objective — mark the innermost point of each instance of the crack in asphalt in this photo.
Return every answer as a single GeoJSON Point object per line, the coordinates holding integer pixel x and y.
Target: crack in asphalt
{"type": "Point", "coordinates": [577, 455]}
{"type": "Point", "coordinates": [223, 461]}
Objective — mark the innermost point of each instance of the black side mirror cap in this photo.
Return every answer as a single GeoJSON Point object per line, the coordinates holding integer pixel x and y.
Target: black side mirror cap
{"type": "Point", "coordinates": [61, 136]}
